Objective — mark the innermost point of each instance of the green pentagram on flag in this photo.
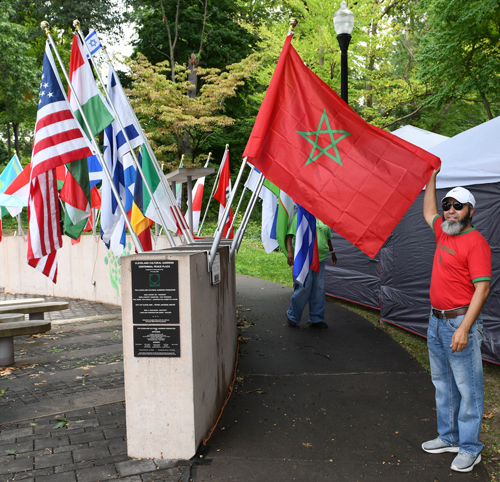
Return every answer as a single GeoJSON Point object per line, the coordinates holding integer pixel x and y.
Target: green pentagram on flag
{"type": "Point", "coordinates": [317, 151]}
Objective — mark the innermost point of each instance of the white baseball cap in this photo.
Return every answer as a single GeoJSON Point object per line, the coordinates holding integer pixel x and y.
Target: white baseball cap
{"type": "Point", "coordinates": [461, 195]}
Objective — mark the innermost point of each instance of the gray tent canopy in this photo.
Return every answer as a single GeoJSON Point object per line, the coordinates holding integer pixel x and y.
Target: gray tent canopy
{"type": "Point", "coordinates": [397, 280]}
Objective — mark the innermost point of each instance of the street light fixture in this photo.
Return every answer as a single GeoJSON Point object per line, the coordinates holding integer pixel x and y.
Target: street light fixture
{"type": "Point", "coordinates": [343, 22]}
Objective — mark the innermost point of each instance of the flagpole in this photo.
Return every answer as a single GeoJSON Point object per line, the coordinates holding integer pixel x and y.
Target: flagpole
{"type": "Point", "coordinates": [236, 211]}
{"type": "Point", "coordinates": [225, 215]}
{"type": "Point", "coordinates": [76, 24]}
{"type": "Point", "coordinates": [45, 26]}
{"type": "Point", "coordinates": [170, 196]}
{"type": "Point", "coordinates": [220, 171]}
{"type": "Point", "coordinates": [235, 245]}
{"type": "Point", "coordinates": [239, 204]}
{"type": "Point", "coordinates": [212, 193]}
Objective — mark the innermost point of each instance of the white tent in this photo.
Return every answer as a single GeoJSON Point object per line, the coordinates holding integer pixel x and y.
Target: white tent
{"type": "Point", "coordinates": [471, 157]}
{"type": "Point", "coordinates": [420, 137]}
{"type": "Point", "coordinates": [397, 280]}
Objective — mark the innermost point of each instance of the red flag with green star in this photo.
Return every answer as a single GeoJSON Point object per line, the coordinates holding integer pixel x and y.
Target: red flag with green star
{"type": "Point", "coordinates": [358, 179]}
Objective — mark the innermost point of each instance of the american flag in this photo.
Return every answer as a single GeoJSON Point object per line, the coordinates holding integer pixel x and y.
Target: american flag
{"type": "Point", "coordinates": [58, 140]}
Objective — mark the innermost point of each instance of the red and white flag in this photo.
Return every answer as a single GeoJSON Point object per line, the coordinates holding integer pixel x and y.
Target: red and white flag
{"type": "Point", "coordinates": [46, 265]}
{"type": "Point", "coordinates": [20, 188]}
{"type": "Point", "coordinates": [223, 192]}
{"type": "Point", "coordinates": [197, 197]}
{"type": "Point", "coordinates": [58, 140]}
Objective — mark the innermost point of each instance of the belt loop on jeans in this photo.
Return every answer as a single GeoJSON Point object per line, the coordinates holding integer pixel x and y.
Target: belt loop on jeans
{"type": "Point", "coordinates": [449, 313]}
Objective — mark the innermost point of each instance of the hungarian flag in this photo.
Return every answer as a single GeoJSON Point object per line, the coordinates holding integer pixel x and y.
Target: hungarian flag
{"type": "Point", "coordinates": [358, 179]}
{"type": "Point", "coordinates": [76, 189]}
{"type": "Point", "coordinates": [223, 192]}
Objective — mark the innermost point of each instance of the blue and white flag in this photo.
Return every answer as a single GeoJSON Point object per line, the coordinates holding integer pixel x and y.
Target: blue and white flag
{"type": "Point", "coordinates": [93, 43]}
{"type": "Point", "coordinates": [306, 256]}
{"type": "Point", "coordinates": [11, 171]}
{"type": "Point", "coordinates": [95, 171]}
{"type": "Point", "coordinates": [120, 165]}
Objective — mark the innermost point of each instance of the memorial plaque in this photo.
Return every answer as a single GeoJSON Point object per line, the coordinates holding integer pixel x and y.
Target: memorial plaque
{"type": "Point", "coordinates": [155, 292]}
{"type": "Point", "coordinates": [157, 341]}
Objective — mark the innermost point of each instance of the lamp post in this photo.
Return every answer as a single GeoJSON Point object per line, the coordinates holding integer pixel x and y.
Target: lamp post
{"type": "Point", "coordinates": [343, 22]}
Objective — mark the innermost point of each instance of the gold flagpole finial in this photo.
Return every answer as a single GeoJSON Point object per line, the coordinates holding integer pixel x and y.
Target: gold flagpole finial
{"type": "Point", "coordinates": [293, 23]}
{"type": "Point", "coordinates": [45, 26]}
{"type": "Point", "coordinates": [76, 24]}
{"type": "Point", "coordinates": [209, 155]}
{"type": "Point", "coordinates": [227, 146]}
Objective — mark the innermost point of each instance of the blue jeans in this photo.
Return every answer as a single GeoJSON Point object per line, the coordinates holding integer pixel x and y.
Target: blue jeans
{"type": "Point", "coordinates": [458, 379]}
{"type": "Point", "coordinates": [313, 292]}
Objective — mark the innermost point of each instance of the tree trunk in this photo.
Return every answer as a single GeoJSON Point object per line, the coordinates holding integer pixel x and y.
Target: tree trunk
{"type": "Point", "coordinates": [370, 68]}
{"type": "Point", "coordinates": [187, 145]}
{"type": "Point", "coordinates": [192, 76]}
{"type": "Point", "coordinates": [487, 106]}
{"type": "Point", "coordinates": [15, 126]}
{"type": "Point", "coordinates": [8, 141]}
{"type": "Point", "coordinates": [172, 42]}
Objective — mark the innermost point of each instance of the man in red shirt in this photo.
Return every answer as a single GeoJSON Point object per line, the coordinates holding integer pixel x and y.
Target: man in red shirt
{"type": "Point", "coordinates": [460, 283]}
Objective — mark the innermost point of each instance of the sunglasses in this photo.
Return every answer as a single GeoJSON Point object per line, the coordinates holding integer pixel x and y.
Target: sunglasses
{"type": "Point", "coordinates": [456, 206]}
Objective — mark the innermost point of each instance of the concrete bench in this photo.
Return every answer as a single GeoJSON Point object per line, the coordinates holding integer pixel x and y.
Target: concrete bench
{"type": "Point", "coordinates": [16, 328]}
{"type": "Point", "coordinates": [21, 301]}
{"type": "Point", "coordinates": [36, 310]}
{"type": "Point", "coordinates": [8, 317]}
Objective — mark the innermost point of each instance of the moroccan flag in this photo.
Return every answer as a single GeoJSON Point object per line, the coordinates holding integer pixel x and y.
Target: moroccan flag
{"type": "Point", "coordinates": [355, 177]}
{"type": "Point", "coordinates": [140, 224]}
{"type": "Point", "coordinates": [223, 192]}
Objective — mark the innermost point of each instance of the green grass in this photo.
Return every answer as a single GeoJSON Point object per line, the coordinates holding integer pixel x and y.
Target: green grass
{"type": "Point", "coordinates": [252, 260]}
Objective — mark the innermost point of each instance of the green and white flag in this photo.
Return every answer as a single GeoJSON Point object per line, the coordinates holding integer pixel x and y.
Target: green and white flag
{"type": "Point", "coordinates": [154, 182]}
{"type": "Point", "coordinates": [76, 188]}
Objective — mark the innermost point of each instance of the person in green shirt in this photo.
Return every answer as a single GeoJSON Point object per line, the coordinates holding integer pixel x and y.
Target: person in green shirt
{"type": "Point", "coordinates": [313, 292]}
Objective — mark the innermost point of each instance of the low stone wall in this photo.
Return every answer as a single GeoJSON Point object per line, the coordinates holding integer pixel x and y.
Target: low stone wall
{"type": "Point", "coordinates": [87, 270]}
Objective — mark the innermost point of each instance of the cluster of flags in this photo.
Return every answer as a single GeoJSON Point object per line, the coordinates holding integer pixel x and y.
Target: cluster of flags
{"type": "Point", "coordinates": [65, 167]}
{"type": "Point", "coordinates": [65, 152]}
{"type": "Point", "coordinates": [318, 157]}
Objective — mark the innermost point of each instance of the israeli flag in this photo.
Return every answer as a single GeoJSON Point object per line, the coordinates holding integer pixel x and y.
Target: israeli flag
{"type": "Point", "coordinates": [93, 43]}
{"type": "Point", "coordinates": [95, 171]}
{"type": "Point", "coordinates": [305, 239]}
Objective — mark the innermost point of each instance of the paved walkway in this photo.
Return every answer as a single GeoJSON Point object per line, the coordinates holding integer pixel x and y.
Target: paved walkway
{"type": "Point", "coordinates": [345, 404]}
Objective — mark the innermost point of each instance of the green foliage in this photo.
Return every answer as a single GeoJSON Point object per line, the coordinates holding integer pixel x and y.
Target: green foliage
{"type": "Point", "coordinates": [18, 69]}
{"type": "Point", "coordinates": [170, 117]}
{"type": "Point", "coordinates": [460, 54]}
{"type": "Point", "coordinates": [4, 156]}
{"type": "Point", "coordinates": [217, 38]}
